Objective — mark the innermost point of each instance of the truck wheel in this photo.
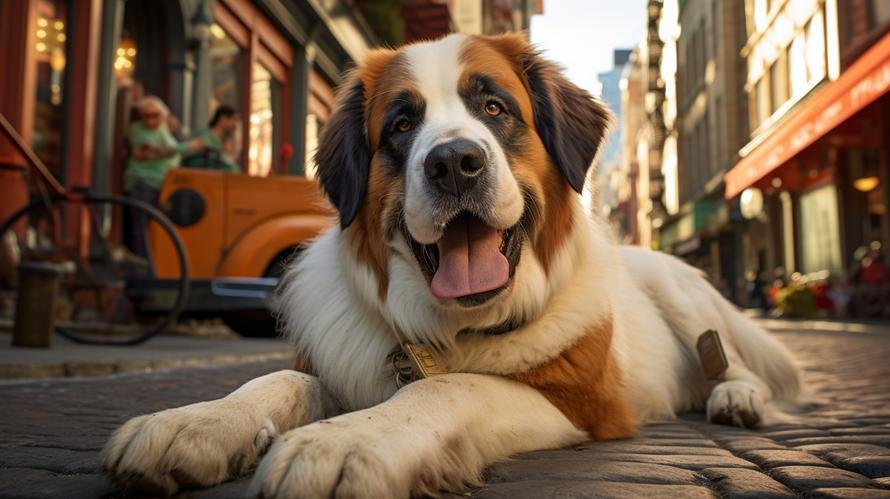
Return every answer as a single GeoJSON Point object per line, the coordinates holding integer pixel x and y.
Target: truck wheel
{"type": "Point", "coordinates": [254, 324]}
{"type": "Point", "coordinates": [279, 264]}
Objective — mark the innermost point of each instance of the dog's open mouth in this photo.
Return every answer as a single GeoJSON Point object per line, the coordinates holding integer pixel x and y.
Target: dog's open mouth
{"type": "Point", "coordinates": [471, 263]}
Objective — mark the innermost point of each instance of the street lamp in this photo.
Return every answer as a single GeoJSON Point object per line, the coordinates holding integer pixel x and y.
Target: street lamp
{"type": "Point", "coordinates": [866, 184]}
{"type": "Point", "coordinates": [867, 178]}
{"type": "Point", "coordinates": [200, 28]}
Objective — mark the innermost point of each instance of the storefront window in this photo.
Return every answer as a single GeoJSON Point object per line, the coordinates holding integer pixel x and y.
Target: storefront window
{"type": "Point", "coordinates": [778, 75]}
{"type": "Point", "coordinates": [226, 62]}
{"type": "Point", "coordinates": [820, 231]}
{"type": "Point", "coordinates": [797, 66]}
{"type": "Point", "coordinates": [764, 104]}
{"type": "Point", "coordinates": [816, 48]}
{"type": "Point", "coordinates": [51, 36]}
{"type": "Point", "coordinates": [263, 93]}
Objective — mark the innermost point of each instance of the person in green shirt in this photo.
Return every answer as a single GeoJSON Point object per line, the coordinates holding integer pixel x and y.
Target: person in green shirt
{"type": "Point", "coordinates": [219, 138]}
{"type": "Point", "coordinates": [153, 151]}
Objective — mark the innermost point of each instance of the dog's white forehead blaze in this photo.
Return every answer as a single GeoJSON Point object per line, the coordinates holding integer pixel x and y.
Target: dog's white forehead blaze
{"type": "Point", "coordinates": [436, 69]}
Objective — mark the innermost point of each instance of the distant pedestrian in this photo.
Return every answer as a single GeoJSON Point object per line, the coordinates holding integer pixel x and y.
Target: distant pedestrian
{"type": "Point", "coordinates": [841, 294]}
{"type": "Point", "coordinates": [873, 271]}
{"type": "Point", "coordinates": [757, 295]}
{"type": "Point", "coordinates": [153, 152]}
{"type": "Point", "coordinates": [219, 139]}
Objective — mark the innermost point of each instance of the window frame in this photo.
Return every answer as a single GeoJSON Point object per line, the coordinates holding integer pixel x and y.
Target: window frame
{"type": "Point", "coordinates": [264, 45]}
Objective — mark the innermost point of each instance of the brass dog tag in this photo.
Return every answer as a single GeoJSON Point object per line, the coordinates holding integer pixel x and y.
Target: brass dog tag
{"type": "Point", "coordinates": [412, 362]}
{"type": "Point", "coordinates": [424, 361]}
{"type": "Point", "coordinates": [711, 354]}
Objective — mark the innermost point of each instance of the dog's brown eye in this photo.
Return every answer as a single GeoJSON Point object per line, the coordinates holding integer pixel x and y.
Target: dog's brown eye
{"type": "Point", "coordinates": [493, 108]}
{"type": "Point", "coordinates": [404, 125]}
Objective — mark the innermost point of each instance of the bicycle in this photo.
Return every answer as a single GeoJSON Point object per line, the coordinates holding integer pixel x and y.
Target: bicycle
{"type": "Point", "coordinates": [108, 295]}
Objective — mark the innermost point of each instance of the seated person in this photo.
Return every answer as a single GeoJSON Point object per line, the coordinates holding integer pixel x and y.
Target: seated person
{"type": "Point", "coordinates": [218, 138]}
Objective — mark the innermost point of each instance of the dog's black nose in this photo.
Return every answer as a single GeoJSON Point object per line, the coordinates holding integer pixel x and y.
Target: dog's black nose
{"type": "Point", "coordinates": [454, 167]}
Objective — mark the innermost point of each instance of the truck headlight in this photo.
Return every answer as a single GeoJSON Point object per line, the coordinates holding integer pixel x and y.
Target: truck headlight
{"type": "Point", "coordinates": [185, 207]}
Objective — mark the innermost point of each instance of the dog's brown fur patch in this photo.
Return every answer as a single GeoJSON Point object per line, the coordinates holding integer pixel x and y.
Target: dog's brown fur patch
{"type": "Point", "coordinates": [557, 220]}
{"type": "Point", "coordinates": [501, 58]}
{"type": "Point", "coordinates": [373, 225]}
{"type": "Point", "coordinates": [481, 58]}
{"type": "Point", "coordinates": [383, 75]}
{"type": "Point", "coordinates": [585, 383]}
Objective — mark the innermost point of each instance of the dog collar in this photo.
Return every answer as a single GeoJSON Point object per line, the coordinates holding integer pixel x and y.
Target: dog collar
{"type": "Point", "coordinates": [413, 361]}
{"type": "Point", "coordinates": [507, 326]}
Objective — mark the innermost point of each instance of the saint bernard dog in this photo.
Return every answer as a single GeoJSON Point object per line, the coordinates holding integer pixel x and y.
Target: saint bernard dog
{"type": "Point", "coordinates": [455, 166]}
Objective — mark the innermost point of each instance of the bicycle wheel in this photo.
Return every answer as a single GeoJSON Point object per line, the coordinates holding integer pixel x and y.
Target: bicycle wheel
{"type": "Point", "coordinates": [107, 295]}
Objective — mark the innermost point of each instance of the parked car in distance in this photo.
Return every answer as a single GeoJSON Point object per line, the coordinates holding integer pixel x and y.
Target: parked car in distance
{"type": "Point", "coordinates": [239, 232]}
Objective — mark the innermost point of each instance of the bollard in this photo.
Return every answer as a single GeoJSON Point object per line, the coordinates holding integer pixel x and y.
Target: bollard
{"type": "Point", "coordinates": [35, 307]}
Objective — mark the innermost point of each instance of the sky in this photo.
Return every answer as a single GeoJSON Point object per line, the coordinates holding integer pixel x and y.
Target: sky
{"type": "Point", "coordinates": [580, 34]}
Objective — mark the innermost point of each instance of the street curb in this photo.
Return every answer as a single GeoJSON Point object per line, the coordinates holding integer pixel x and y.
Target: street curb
{"type": "Point", "coordinates": [15, 372]}
{"type": "Point", "coordinates": [821, 326]}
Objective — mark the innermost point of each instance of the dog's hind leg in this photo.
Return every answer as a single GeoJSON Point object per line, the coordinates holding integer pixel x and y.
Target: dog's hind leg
{"type": "Point", "coordinates": [762, 377]}
{"type": "Point", "coordinates": [207, 443]}
{"type": "Point", "coordinates": [761, 371]}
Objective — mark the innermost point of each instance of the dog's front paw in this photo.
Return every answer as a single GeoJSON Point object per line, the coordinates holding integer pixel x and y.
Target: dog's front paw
{"type": "Point", "coordinates": [735, 403]}
{"type": "Point", "coordinates": [198, 445]}
{"type": "Point", "coordinates": [334, 458]}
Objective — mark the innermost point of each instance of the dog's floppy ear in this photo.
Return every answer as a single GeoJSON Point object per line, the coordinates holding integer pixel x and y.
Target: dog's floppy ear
{"type": "Point", "coordinates": [344, 156]}
{"type": "Point", "coordinates": [571, 123]}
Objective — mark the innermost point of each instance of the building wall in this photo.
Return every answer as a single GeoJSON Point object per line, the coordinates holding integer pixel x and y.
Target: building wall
{"type": "Point", "coordinates": [790, 51]}
{"type": "Point", "coordinates": [712, 119]}
{"type": "Point", "coordinates": [669, 31]}
{"type": "Point", "coordinates": [651, 140]}
{"type": "Point", "coordinates": [625, 180]}
{"type": "Point", "coordinates": [791, 48]}
{"type": "Point", "coordinates": [700, 70]}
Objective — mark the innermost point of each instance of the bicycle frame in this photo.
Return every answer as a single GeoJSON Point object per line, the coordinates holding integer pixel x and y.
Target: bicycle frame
{"type": "Point", "coordinates": [78, 221]}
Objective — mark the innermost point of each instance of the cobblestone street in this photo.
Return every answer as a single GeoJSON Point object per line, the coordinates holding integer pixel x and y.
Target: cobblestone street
{"type": "Point", "coordinates": [52, 432]}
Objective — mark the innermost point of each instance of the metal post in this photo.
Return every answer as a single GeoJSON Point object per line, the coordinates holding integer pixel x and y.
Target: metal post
{"type": "Point", "coordinates": [35, 307]}
{"type": "Point", "coordinates": [299, 106]}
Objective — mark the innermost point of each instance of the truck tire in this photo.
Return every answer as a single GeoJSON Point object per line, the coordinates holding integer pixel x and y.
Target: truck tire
{"type": "Point", "coordinates": [281, 261]}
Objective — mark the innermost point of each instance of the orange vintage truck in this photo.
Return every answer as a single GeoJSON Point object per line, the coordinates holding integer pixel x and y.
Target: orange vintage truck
{"type": "Point", "coordinates": [238, 232]}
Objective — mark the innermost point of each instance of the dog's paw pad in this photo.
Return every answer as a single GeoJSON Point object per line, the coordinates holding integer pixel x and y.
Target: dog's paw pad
{"type": "Point", "coordinates": [735, 403]}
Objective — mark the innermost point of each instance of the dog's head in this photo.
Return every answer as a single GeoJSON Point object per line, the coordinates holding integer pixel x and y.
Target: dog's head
{"type": "Point", "coordinates": [467, 150]}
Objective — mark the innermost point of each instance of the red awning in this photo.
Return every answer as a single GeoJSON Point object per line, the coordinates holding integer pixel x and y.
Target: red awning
{"type": "Point", "coordinates": [861, 84]}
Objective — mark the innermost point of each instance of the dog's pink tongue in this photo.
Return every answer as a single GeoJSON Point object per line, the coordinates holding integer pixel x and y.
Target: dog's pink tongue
{"type": "Point", "coordinates": [470, 260]}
